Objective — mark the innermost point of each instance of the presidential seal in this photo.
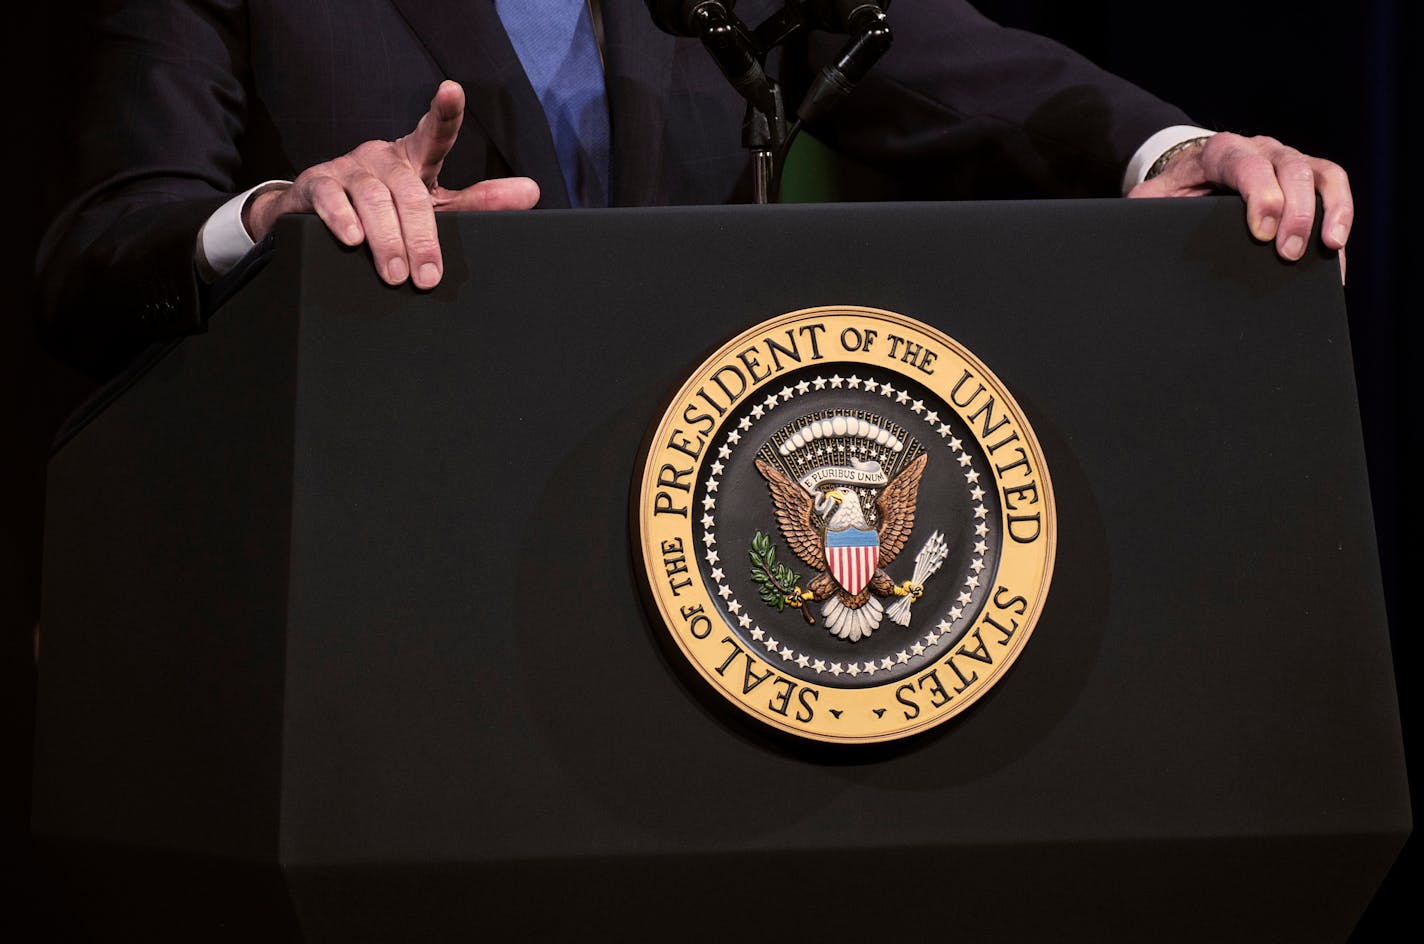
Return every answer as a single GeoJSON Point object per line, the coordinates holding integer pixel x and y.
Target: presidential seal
{"type": "Point", "coordinates": [846, 525]}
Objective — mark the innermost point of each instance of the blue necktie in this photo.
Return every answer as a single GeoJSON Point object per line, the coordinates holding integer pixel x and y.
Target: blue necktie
{"type": "Point", "coordinates": [556, 45]}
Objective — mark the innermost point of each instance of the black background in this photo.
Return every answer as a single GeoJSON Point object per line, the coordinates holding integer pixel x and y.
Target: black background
{"type": "Point", "coordinates": [1329, 78]}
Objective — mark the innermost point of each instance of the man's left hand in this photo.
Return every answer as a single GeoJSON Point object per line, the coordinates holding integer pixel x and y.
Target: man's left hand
{"type": "Point", "coordinates": [1277, 182]}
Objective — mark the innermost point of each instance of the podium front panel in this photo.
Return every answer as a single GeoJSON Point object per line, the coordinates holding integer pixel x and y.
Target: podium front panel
{"type": "Point", "coordinates": [343, 588]}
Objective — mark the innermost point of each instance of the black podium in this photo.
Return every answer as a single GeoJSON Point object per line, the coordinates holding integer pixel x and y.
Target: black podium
{"type": "Point", "coordinates": [342, 636]}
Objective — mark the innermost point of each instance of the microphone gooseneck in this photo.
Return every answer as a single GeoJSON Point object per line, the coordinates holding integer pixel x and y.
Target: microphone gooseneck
{"type": "Point", "coordinates": [740, 54]}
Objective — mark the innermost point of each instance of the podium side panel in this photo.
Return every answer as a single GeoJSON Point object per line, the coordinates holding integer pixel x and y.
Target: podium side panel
{"type": "Point", "coordinates": [160, 696]}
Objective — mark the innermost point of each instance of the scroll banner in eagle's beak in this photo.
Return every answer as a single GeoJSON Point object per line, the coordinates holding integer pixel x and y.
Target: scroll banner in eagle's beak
{"type": "Point", "coordinates": [869, 473]}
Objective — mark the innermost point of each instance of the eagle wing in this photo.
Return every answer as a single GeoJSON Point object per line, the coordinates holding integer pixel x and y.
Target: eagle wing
{"type": "Point", "coordinates": [793, 514]}
{"type": "Point", "coordinates": [896, 505]}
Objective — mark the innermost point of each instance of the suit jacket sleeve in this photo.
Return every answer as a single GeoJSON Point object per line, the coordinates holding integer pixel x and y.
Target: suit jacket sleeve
{"type": "Point", "coordinates": [961, 107]}
{"type": "Point", "coordinates": [157, 151]}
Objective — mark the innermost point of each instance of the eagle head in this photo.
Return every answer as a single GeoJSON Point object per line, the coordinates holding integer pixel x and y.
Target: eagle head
{"type": "Point", "coordinates": [840, 510]}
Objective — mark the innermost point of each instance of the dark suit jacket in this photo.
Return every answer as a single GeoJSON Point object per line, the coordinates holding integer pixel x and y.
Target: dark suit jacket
{"type": "Point", "coordinates": [194, 100]}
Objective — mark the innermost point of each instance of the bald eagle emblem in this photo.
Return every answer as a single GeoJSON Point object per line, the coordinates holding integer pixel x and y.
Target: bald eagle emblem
{"type": "Point", "coordinates": [848, 522]}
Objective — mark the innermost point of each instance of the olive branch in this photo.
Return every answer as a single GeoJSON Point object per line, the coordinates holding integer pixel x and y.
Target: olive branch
{"type": "Point", "coordinates": [777, 584]}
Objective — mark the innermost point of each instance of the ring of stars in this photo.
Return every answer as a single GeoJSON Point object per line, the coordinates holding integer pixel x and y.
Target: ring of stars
{"type": "Point", "coordinates": [943, 630]}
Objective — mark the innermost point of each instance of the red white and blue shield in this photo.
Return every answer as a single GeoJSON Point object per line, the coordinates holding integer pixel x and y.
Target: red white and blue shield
{"type": "Point", "coordinates": [852, 554]}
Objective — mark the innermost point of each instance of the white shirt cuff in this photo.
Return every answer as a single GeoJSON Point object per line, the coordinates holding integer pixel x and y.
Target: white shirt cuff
{"type": "Point", "coordinates": [1153, 148]}
{"type": "Point", "coordinates": [223, 240]}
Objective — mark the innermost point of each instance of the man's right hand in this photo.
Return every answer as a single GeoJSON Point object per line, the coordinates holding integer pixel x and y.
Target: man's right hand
{"type": "Point", "coordinates": [385, 194]}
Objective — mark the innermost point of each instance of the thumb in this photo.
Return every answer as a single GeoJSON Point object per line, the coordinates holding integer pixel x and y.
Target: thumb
{"type": "Point", "coordinates": [1156, 187]}
{"type": "Point", "coordinates": [499, 193]}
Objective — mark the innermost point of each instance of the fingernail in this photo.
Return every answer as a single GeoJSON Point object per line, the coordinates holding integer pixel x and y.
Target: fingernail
{"type": "Point", "coordinates": [396, 270]}
{"type": "Point", "coordinates": [353, 233]}
{"type": "Point", "coordinates": [429, 275]}
{"type": "Point", "coordinates": [1294, 247]}
{"type": "Point", "coordinates": [1339, 233]}
{"type": "Point", "coordinates": [1267, 229]}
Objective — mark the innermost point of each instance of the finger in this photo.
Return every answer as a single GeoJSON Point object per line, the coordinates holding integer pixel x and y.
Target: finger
{"type": "Point", "coordinates": [425, 147]}
{"type": "Point", "coordinates": [416, 214]}
{"type": "Point", "coordinates": [328, 198]}
{"type": "Point", "coordinates": [1240, 164]}
{"type": "Point", "coordinates": [1297, 182]}
{"type": "Point", "coordinates": [500, 193]}
{"type": "Point", "coordinates": [1334, 187]}
{"type": "Point", "coordinates": [376, 209]}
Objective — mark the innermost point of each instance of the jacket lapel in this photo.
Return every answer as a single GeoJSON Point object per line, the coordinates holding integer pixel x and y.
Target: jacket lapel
{"type": "Point", "coordinates": [468, 43]}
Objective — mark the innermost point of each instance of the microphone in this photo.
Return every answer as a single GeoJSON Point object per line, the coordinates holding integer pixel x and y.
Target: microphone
{"type": "Point", "coordinates": [725, 37]}
{"type": "Point", "coordinates": [869, 30]}
{"type": "Point", "coordinates": [676, 17]}
{"type": "Point", "coordinates": [838, 16]}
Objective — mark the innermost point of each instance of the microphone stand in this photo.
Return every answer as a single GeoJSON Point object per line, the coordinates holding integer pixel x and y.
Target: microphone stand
{"type": "Point", "coordinates": [741, 55]}
{"type": "Point", "coordinates": [764, 136]}
{"type": "Point", "coordinates": [870, 38]}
